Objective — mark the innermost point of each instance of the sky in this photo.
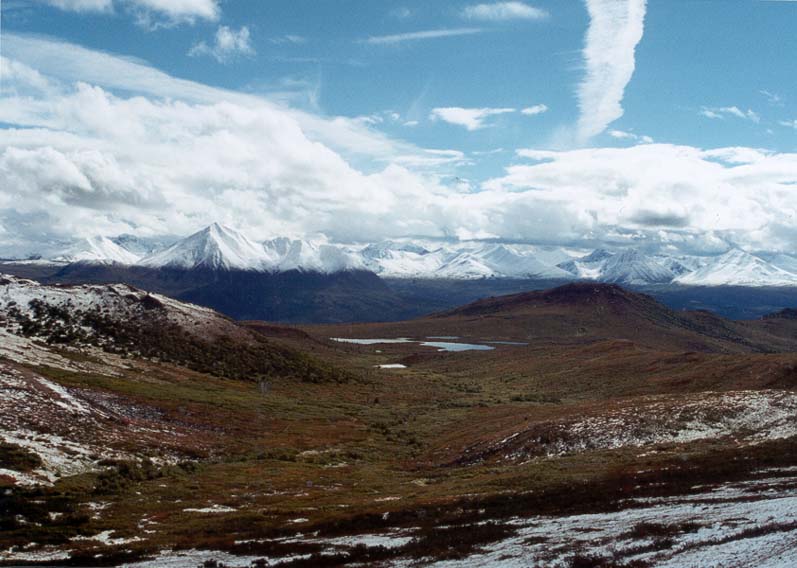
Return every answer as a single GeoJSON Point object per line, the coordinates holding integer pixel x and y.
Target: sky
{"type": "Point", "coordinates": [666, 125]}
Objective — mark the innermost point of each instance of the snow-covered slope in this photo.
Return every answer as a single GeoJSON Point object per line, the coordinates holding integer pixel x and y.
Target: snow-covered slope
{"type": "Point", "coordinates": [785, 262]}
{"type": "Point", "coordinates": [296, 254]}
{"type": "Point", "coordinates": [625, 267]}
{"type": "Point", "coordinates": [460, 261]}
{"type": "Point", "coordinates": [402, 259]}
{"type": "Point", "coordinates": [631, 267]}
{"type": "Point", "coordinates": [504, 261]}
{"type": "Point", "coordinates": [217, 248]}
{"type": "Point", "coordinates": [98, 250]}
{"type": "Point", "coordinates": [738, 268]}
{"type": "Point", "coordinates": [589, 267]}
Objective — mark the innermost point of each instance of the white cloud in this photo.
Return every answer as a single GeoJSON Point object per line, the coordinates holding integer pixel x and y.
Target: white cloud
{"type": "Point", "coordinates": [535, 110]}
{"type": "Point", "coordinates": [503, 11]}
{"type": "Point", "coordinates": [415, 36]}
{"type": "Point", "coordinates": [288, 39]}
{"type": "Point", "coordinates": [669, 191]}
{"type": "Point", "coordinates": [148, 11]}
{"type": "Point", "coordinates": [615, 29]}
{"type": "Point", "coordinates": [470, 118]}
{"type": "Point", "coordinates": [82, 5]}
{"type": "Point", "coordinates": [730, 111]}
{"type": "Point", "coordinates": [774, 99]}
{"type": "Point", "coordinates": [227, 45]}
{"type": "Point", "coordinates": [789, 123]}
{"type": "Point", "coordinates": [623, 135]}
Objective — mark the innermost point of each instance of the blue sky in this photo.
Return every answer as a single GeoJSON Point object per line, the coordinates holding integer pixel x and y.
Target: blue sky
{"type": "Point", "coordinates": [455, 103]}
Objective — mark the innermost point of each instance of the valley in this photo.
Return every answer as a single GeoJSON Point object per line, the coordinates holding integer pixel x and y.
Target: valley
{"type": "Point", "coordinates": [241, 442]}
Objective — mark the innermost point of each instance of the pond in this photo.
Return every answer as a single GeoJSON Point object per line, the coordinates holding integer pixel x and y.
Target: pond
{"type": "Point", "coordinates": [439, 345]}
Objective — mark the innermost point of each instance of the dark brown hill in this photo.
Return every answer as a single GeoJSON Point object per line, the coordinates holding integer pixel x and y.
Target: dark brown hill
{"type": "Point", "coordinates": [587, 312]}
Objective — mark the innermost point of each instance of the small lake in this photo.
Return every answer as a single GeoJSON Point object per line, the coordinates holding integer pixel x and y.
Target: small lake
{"type": "Point", "coordinates": [439, 345]}
{"type": "Point", "coordinates": [372, 341]}
{"type": "Point", "coordinates": [450, 346]}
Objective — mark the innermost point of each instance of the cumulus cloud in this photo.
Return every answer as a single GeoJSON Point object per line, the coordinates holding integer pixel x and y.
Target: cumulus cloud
{"type": "Point", "coordinates": [730, 111]}
{"type": "Point", "coordinates": [503, 11]}
{"type": "Point", "coordinates": [227, 44]}
{"type": "Point", "coordinates": [148, 11]}
{"type": "Point", "coordinates": [394, 39]}
{"type": "Point", "coordinates": [535, 110]}
{"type": "Point", "coordinates": [470, 118]}
{"type": "Point", "coordinates": [615, 29]}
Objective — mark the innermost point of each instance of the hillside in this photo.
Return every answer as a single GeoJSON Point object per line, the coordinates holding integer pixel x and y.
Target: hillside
{"type": "Point", "coordinates": [124, 320]}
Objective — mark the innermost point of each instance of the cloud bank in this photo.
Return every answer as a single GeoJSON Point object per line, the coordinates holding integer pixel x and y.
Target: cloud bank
{"type": "Point", "coordinates": [101, 145]}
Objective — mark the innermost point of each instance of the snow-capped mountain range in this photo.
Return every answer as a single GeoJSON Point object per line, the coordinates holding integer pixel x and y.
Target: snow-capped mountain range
{"type": "Point", "coordinates": [221, 248]}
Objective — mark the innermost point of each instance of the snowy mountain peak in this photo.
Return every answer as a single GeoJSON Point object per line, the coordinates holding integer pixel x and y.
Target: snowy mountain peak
{"type": "Point", "coordinates": [597, 255]}
{"type": "Point", "coordinates": [215, 247]}
{"type": "Point", "coordinates": [98, 250]}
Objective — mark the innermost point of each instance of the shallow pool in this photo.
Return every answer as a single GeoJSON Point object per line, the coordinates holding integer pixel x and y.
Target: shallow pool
{"type": "Point", "coordinates": [439, 345]}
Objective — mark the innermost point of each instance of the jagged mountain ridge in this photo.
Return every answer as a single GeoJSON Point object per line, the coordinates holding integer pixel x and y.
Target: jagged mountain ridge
{"type": "Point", "coordinates": [221, 248]}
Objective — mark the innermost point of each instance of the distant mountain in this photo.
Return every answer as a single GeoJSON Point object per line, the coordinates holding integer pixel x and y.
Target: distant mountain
{"type": "Point", "coordinates": [738, 268]}
{"type": "Point", "coordinates": [458, 261]}
{"type": "Point", "coordinates": [220, 248]}
{"type": "Point", "coordinates": [588, 267]}
{"type": "Point", "coordinates": [499, 261]}
{"type": "Point", "coordinates": [100, 250]}
{"type": "Point", "coordinates": [307, 256]}
{"type": "Point", "coordinates": [142, 246]}
{"type": "Point", "coordinates": [631, 267]}
{"type": "Point", "coordinates": [626, 267]}
{"type": "Point", "coordinates": [215, 248]}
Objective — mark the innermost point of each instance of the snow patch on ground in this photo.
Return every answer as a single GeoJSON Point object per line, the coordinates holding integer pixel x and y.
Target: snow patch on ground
{"type": "Point", "coordinates": [717, 539]}
{"type": "Point", "coordinates": [748, 417]}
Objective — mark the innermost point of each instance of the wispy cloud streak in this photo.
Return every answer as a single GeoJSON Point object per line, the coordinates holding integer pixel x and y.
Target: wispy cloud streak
{"type": "Point", "coordinates": [415, 36]}
{"type": "Point", "coordinates": [616, 27]}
